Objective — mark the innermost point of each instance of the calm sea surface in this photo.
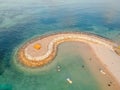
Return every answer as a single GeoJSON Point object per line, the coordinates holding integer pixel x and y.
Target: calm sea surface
{"type": "Point", "coordinates": [20, 23]}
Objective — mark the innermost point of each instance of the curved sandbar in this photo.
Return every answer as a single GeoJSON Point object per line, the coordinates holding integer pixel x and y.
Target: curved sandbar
{"type": "Point", "coordinates": [42, 50]}
{"type": "Point", "coordinates": [32, 57]}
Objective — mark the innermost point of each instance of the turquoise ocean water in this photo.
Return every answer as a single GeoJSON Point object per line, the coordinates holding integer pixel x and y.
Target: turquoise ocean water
{"type": "Point", "coordinates": [20, 21]}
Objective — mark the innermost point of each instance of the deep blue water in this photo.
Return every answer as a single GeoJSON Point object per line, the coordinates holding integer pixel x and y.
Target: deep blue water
{"type": "Point", "coordinates": [88, 19]}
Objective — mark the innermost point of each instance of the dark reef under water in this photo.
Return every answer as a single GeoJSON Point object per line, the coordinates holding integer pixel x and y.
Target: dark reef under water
{"type": "Point", "coordinates": [10, 38]}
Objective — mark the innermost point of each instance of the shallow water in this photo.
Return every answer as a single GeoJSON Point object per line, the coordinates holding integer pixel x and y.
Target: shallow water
{"type": "Point", "coordinates": [17, 25]}
{"type": "Point", "coordinates": [49, 78]}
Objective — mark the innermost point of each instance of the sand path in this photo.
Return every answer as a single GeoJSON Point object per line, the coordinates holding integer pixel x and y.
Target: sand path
{"type": "Point", "coordinates": [103, 48]}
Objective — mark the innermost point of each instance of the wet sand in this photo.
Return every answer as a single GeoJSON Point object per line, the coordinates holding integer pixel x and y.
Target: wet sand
{"type": "Point", "coordinates": [102, 49]}
{"type": "Point", "coordinates": [94, 64]}
{"type": "Point", "coordinates": [109, 59]}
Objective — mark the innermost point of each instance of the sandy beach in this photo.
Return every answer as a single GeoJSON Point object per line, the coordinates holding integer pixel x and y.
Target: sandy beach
{"type": "Point", "coordinates": [103, 49]}
{"type": "Point", "coordinates": [109, 59]}
{"type": "Point", "coordinates": [94, 63]}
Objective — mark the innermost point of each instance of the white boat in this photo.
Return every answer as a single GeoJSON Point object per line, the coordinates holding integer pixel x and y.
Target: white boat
{"type": "Point", "coordinates": [69, 81]}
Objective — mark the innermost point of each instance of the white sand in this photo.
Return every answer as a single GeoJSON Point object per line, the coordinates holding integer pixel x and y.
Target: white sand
{"type": "Point", "coordinates": [103, 49]}
{"type": "Point", "coordinates": [109, 58]}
